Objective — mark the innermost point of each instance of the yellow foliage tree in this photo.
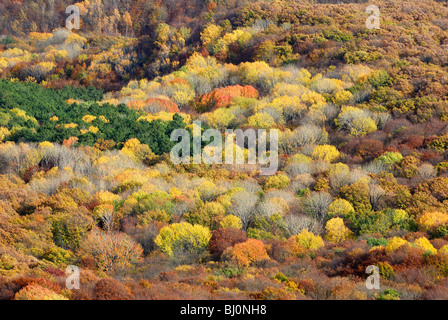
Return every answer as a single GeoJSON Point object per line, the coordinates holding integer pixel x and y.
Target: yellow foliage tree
{"type": "Point", "coordinates": [209, 36]}
{"type": "Point", "coordinates": [340, 207]}
{"type": "Point", "coordinates": [356, 120]}
{"type": "Point", "coordinates": [395, 243]}
{"type": "Point", "coordinates": [305, 240]}
{"type": "Point", "coordinates": [183, 237]}
{"type": "Point", "coordinates": [207, 215]}
{"type": "Point", "coordinates": [325, 152]}
{"type": "Point", "coordinates": [220, 118]}
{"type": "Point", "coordinates": [261, 120]}
{"type": "Point", "coordinates": [254, 73]}
{"type": "Point", "coordinates": [40, 36]}
{"type": "Point", "coordinates": [106, 197]}
{"type": "Point", "coordinates": [336, 231]}
{"type": "Point", "coordinates": [342, 97]}
{"type": "Point", "coordinates": [231, 221]}
{"type": "Point", "coordinates": [137, 151]}
{"type": "Point", "coordinates": [424, 244]}
{"type": "Point", "coordinates": [279, 181]}
{"type": "Point", "coordinates": [431, 220]}
{"type": "Point", "coordinates": [363, 126]}
{"type": "Point", "coordinates": [4, 133]}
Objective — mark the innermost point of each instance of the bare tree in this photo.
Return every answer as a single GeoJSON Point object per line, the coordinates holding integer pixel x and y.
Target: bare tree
{"type": "Point", "coordinates": [376, 195]}
{"type": "Point", "coordinates": [426, 171]}
{"type": "Point", "coordinates": [295, 223]}
{"type": "Point", "coordinates": [339, 179]}
{"type": "Point", "coordinates": [316, 205]}
{"type": "Point", "coordinates": [375, 167]}
{"type": "Point", "coordinates": [297, 168]}
{"type": "Point", "coordinates": [269, 208]}
{"type": "Point", "coordinates": [243, 206]}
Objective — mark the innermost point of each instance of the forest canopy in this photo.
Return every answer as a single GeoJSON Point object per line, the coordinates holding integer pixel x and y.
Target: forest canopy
{"type": "Point", "coordinates": [86, 177]}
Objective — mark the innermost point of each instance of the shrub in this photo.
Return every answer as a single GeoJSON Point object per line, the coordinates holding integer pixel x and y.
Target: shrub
{"type": "Point", "coordinates": [230, 272]}
{"type": "Point", "coordinates": [57, 255]}
{"type": "Point", "coordinates": [386, 270]}
{"type": "Point", "coordinates": [388, 294]}
{"type": "Point", "coordinates": [111, 289]}
{"type": "Point", "coordinates": [377, 242]}
{"type": "Point", "coordinates": [36, 292]}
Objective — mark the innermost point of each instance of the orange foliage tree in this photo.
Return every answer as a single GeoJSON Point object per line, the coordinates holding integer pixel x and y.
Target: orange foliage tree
{"type": "Point", "coordinates": [246, 253]}
{"type": "Point", "coordinates": [222, 97]}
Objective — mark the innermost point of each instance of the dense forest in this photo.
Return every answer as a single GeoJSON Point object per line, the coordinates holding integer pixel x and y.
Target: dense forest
{"type": "Point", "coordinates": [86, 177]}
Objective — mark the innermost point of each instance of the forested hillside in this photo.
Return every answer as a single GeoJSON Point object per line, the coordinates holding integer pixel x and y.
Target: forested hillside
{"type": "Point", "coordinates": [86, 177]}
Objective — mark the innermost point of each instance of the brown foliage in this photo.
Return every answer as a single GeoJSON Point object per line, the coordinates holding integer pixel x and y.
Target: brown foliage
{"type": "Point", "coordinates": [224, 238]}
{"type": "Point", "coordinates": [354, 262]}
{"type": "Point", "coordinates": [8, 288]}
{"type": "Point", "coordinates": [364, 148]}
{"type": "Point", "coordinates": [111, 289]}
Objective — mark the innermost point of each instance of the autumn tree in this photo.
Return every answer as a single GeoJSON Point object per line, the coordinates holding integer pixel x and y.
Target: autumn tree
{"type": "Point", "coordinates": [325, 152]}
{"type": "Point", "coordinates": [336, 231]}
{"type": "Point", "coordinates": [304, 241]}
{"type": "Point", "coordinates": [340, 208]}
{"type": "Point", "coordinates": [183, 239]}
{"type": "Point", "coordinates": [243, 207]}
{"type": "Point", "coordinates": [111, 250]}
{"type": "Point", "coordinates": [224, 238]}
{"type": "Point", "coordinates": [356, 121]}
{"type": "Point", "coordinates": [358, 194]}
{"type": "Point", "coordinates": [316, 205]}
{"type": "Point", "coordinates": [247, 253]}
